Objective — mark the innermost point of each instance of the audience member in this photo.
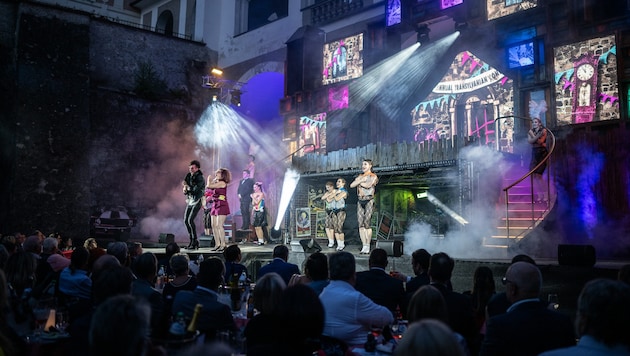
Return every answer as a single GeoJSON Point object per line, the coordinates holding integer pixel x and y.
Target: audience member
{"type": "Point", "coordinates": [601, 321]}
{"type": "Point", "coordinates": [428, 337]}
{"type": "Point", "coordinates": [74, 280]}
{"type": "Point", "coordinates": [460, 310]}
{"type": "Point", "coordinates": [4, 256]}
{"type": "Point", "coordinates": [182, 280]}
{"type": "Point", "coordinates": [171, 249]}
{"type": "Point", "coordinates": [135, 250]}
{"type": "Point", "coordinates": [95, 251]}
{"type": "Point", "coordinates": [483, 289]}
{"type": "Point", "coordinates": [119, 250]}
{"type": "Point", "coordinates": [58, 262]}
{"type": "Point", "coordinates": [10, 342]}
{"type": "Point", "coordinates": [260, 337]}
{"type": "Point", "coordinates": [49, 248]}
{"type": "Point", "coordinates": [349, 315]}
{"type": "Point", "coordinates": [280, 265]}
{"type": "Point", "coordinates": [66, 244]}
{"type": "Point", "coordinates": [315, 273]}
{"type": "Point", "coordinates": [33, 245]}
{"type": "Point", "coordinates": [104, 262]}
{"type": "Point", "coordinates": [143, 288]}
{"type": "Point", "coordinates": [379, 286]}
{"type": "Point", "coordinates": [233, 266]}
{"type": "Point", "coordinates": [301, 316]}
{"type": "Point", "coordinates": [428, 303]}
{"type": "Point", "coordinates": [120, 327]}
{"type": "Point", "coordinates": [528, 327]}
{"type": "Point", "coordinates": [214, 316]}
{"type": "Point", "coordinates": [10, 243]}
{"type": "Point", "coordinates": [499, 303]}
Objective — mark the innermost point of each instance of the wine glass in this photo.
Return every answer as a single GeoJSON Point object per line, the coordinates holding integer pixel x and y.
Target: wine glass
{"type": "Point", "coordinates": [552, 299]}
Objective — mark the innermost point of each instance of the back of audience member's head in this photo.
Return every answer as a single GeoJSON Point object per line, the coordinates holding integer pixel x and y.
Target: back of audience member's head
{"type": "Point", "coordinates": [145, 266]}
{"type": "Point", "coordinates": [268, 292]}
{"type": "Point", "coordinates": [301, 318]}
{"type": "Point", "coordinates": [316, 267]}
{"type": "Point", "coordinates": [523, 258]}
{"type": "Point", "coordinates": [603, 312]}
{"type": "Point", "coordinates": [215, 348]}
{"type": "Point", "coordinates": [342, 266]}
{"type": "Point", "coordinates": [110, 282]}
{"type": "Point", "coordinates": [104, 262]}
{"type": "Point", "coordinates": [179, 264]}
{"type": "Point", "coordinates": [20, 271]}
{"type": "Point", "coordinates": [378, 258]}
{"type": "Point", "coordinates": [79, 259]}
{"type": "Point", "coordinates": [441, 267]}
{"type": "Point", "coordinates": [50, 245]}
{"type": "Point", "coordinates": [171, 249]}
{"type": "Point", "coordinates": [281, 251]}
{"type": "Point", "coordinates": [211, 272]}
{"type": "Point", "coordinates": [232, 253]}
{"type": "Point", "coordinates": [119, 250]}
{"type": "Point", "coordinates": [624, 274]}
{"type": "Point", "coordinates": [135, 249]}
{"type": "Point", "coordinates": [429, 337]}
{"type": "Point", "coordinates": [120, 326]}
{"type": "Point", "coordinates": [427, 303]}
{"type": "Point", "coordinates": [90, 243]}
{"type": "Point", "coordinates": [6, 344]}
{"type": "Point", "coordinates": [526, 281]}
{"type": "Point", "coordinates": [420, 258]}
{"type": "Point", "coordinates": [9, 242]}
{"type": "Point", "coordinates": [483, 288]}
{"type": "Point", "coordinates": [32, 244]}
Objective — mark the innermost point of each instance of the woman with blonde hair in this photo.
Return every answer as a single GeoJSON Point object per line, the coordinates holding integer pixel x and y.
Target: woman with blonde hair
{"type": "Point", "coordinates": [428, 337]}
{"type": "Point", "coordinates": [220, 208]}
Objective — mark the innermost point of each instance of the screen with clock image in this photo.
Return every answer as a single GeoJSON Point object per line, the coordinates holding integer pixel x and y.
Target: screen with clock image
{"type": "Point", "coordinates": [586, 87]}
{"type": "Point", "coordinates": [343, 59]}
{"type": "Point", "coordinates": [521, 55]}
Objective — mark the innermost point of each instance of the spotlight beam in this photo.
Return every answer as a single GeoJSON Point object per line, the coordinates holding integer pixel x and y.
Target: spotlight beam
{"type": "Point", "coordinates": [291, 178]}
{"type": "Point", "coordinates": [435, 201]}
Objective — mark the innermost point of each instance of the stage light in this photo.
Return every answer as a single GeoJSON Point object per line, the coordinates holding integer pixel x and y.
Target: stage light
{"type": "Point", "coordinates": [291, 179]}
{"type": "Point", "coordinates": [236, 97]}
{"type": "Point", "coordinates": [217, 71]}
{"type": "Point", "coordinates": [423, 33]}
{"type": "Point", "coordinates": [275, 234]}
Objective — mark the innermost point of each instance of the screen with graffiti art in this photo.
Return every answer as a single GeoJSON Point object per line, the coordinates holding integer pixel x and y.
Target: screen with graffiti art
{"type": "Point", "coordinates": [343, 59]}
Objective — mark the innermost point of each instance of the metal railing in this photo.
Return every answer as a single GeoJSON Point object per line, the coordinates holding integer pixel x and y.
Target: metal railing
{"type": "Point", "coordinates": [551, 141]}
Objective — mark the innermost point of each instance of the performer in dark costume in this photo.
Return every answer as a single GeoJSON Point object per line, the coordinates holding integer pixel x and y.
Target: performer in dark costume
{"type": "Point", "coordinates": [260, 215]}
{"type": "Point", "coordinates": [537, 137]}
{"type": "Point", "coordinates": [245, 189]}
{"type": "Point", "coordinates": [193, 188]}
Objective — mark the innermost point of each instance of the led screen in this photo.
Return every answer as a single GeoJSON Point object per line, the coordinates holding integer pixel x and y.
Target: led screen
{"type": "Point", "coordinates": [497, 9]}
{"type": "Point", "coordinates": [343, 59]}
{"type": "Point", "coordinates": [521, 55]}
{"type": "Point", "coordinates": [445, 4]}
{"type": "Point", "coordinates": [394, 14]}
{"type": "Point", "coordinates": [338, 98]}
{"type": "Point", "coordinates": [313, 133]}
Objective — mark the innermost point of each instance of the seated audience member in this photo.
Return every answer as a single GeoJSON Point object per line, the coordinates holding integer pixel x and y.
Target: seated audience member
{"type": "Point", "coordinates": [528, 327]}
{"type": "Point", "coordinates": [601, 321]}
{"type": "Point", "coordinates": [280, 265]}
{"type": "Point", "coordinates": [260, 337]}
{"type": "Point", "coordinates": [135, 250]}
{"type": "Point", "coordinates": [66, 244]}
{"type": "Point", "coordinates": [104, 262]}
{"type": "Point", "coordinates": [171, 249]}
{"type": "Point", "coordinates": [119, 250]}
{"type": "Point", "coordinates": [301, 319]}
{"type": "Point", "coordinates": [233, 264]}
{"type": "Point", "coordinates": [10, 342]}
{"type": "Point", "coordinates": [49, 248]}
{"type": "Point", "coordinates": [499, 303]}
{"type": "Point", "coordinates": [143, 288]}
{"type": "Point", "coordinates": [428, 303]}
{"type": "Point", "coordinates": [106, 283]}
{"type": "Point", "coordinates": [460, 310]}
{"type": "Point", "coordinates": [420, 265]}
{"type": "Point", "coordinates": [349, 315]}
{"type": "Point", "coordinates": [483, 289]}
{"type": "Point", "coordinates": [428, 337]}
{"type": "Point", "coordinates": [315, 273]}
{"type": "Point", "coordinates": [379, 286]}
{"type": "Point", "coordinates": [4, 257]}
{"type": "Point", "coordinates": [74, 281]}
{"type": "Point", "coordinates": [10, 243]}
{"type": "Point", "coordinates": [95, 252]}
{"type": "Point", "coordinates": [120, 327]}
{"type": "Point", "coordinates": [214, 316]}
{"type": "Point", "coordinates": [182, 281]}
{"type": "Point", "coordinates": [33, 245]}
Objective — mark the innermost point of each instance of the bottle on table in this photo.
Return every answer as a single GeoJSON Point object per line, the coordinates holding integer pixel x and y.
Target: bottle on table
{"type": "Point", "coordinates": [192, 327]}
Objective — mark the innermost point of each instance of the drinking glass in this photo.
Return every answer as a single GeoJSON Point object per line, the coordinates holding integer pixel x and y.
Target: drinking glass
{"type": "Point", "coordinates": [552, 299]}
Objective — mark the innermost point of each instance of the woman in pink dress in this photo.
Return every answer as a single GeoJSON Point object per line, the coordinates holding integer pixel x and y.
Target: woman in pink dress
{"type": "Point", "coordinates": [220, 208]}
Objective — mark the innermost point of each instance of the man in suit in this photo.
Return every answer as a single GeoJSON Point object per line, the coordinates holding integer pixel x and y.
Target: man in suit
{"type": "Point", "coordinates": [214, 316]}
{"type": "Point", "coordinates": [280, 264]}
{"type": "Point", "coordinates": [460, 311]}
{"type": "Point", "coordinates": [528, 327]}
{"type": "Point", "coordinates": [379, 286]}
{"type": "Point", "coordinates": [245, 189]}
{"type": "Point", "coordinates": [145, 268]}
{"type": "Point", "coordinates": [420, 259]}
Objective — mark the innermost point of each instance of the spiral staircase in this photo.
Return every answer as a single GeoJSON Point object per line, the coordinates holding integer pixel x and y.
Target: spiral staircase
{"type": "Point", "coordinates": [518, 209]}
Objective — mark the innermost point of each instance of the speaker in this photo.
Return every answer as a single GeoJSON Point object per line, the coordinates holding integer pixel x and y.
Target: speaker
{"type": "Point", "coordinates": [166, 238]}
{"type": "Point", "coordinates": [310, 245]}
{"type": "Point", "coordinates": [576, 255]}
{"type": "Point", "coordinates": [394, 248]}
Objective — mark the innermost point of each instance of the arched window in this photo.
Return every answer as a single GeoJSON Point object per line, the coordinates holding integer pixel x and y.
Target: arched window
{"type": "Point", "coordinates": [164, 23]}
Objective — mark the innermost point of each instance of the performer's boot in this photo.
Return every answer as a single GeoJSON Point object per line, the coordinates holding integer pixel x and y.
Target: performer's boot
{"type": "Point", "coordinates": [190, 244]}
{"type": "Point", "coordinates": [194, 244]}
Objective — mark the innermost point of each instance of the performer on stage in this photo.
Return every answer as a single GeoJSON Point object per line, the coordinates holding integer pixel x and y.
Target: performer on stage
{"type": "Point", "coordinates": [245, 189]}
{"type": "Point", "coordinates": [220, 207]}
{"type": "Point", "coordinates": [193, 188]}
{"type": "Point", "coordinates": [260, 215]}
{"type": "Point", "coordinates": [329, 200]}
{"type": "Point", "coordinates": [365, 184]}
{"type": "Point", "coordinates": [339, 213]}
{"type": "Point", "coordinates": [207, 208]}
{"type": "Point", "coordinates": [537, 137]}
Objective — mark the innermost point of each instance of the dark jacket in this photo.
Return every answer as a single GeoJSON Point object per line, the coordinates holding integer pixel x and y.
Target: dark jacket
{"type": "Point", "coordinates": [246, 188]}
{"type": "Point", "coordinates": [214, 316]}
{"type": "Point", "coordinates": [382, 289]}
{"type": "Point", "coordinates": [278, 265]}
{"type": "Point", "coordinates": [197, 185]}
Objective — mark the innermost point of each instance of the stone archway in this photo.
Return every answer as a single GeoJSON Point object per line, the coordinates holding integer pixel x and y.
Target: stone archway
{"type": "Point", "coordinates": [164, 24]}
